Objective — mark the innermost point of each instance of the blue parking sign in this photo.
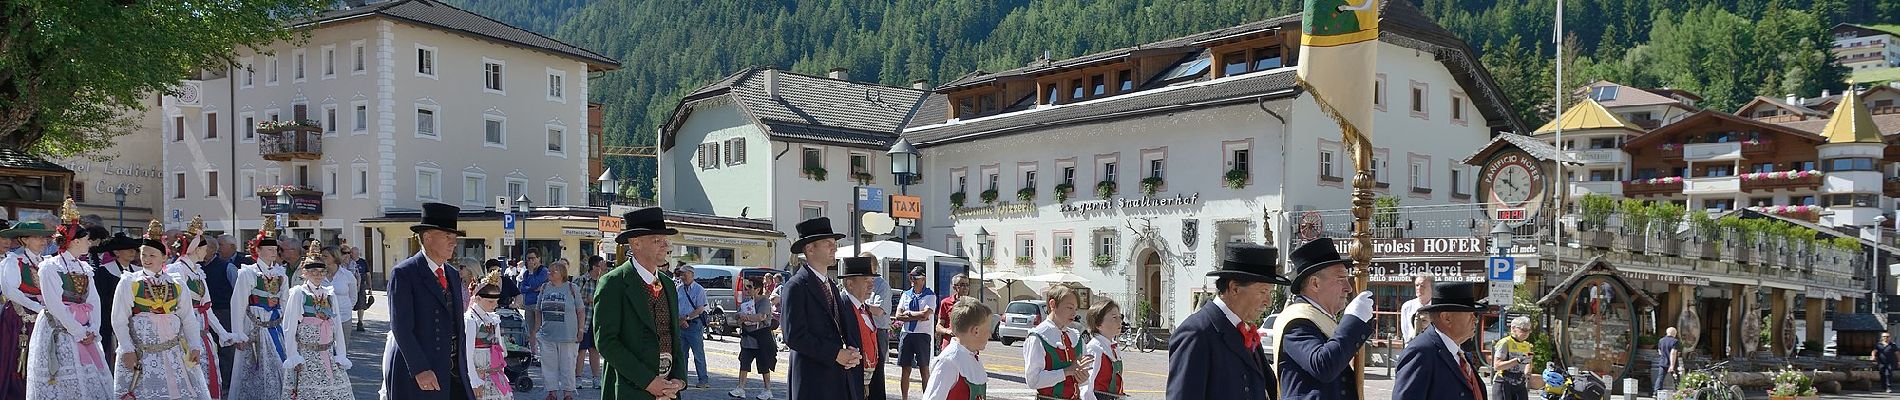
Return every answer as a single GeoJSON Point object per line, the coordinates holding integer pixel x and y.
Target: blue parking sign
{"type": "Point", "coordinates": [508, 222]}
{"type": "Point", "coordinates": [1501, 269]}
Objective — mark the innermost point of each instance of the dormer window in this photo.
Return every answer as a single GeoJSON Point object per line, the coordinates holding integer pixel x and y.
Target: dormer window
{"type": "Point", "coordinates": [1126, 81]}
{"type": "Point", "coordinates": [1075, 89]}
{"type": "Point", "coordinates": [1099, 85]}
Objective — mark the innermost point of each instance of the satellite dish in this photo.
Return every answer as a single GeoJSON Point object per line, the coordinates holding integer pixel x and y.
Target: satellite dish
{"type": "Point", "coordinates": [878, 223]}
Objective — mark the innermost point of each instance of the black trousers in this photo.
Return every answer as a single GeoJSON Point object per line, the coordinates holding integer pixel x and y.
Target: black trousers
{"type": "Point", "coordinates": [1886, 377]}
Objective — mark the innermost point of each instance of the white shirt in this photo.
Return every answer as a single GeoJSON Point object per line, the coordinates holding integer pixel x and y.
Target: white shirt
{"type": "Point", "coordinates": [1457, 354]}
{"type": "Point", "coordinates": [1105, 356]}
{"type": "Point", "coordinates": [1407, 312]}
{"type": "Point", "coordinates": [926, 303]}
{"type": "Point", "coordinates": [293, 315]}
{"type": "Point", "coordinates": [1232, 319]}
{"type": "Point", "coordinates": [1034, 358]}
{"type": "Point", "coordinates": [10, 279]}
{"type": "Point", "coordinates": [472, 320]}
{"type": "Point", "coordinates": [645, 274]}
{"type": "Point", "coordinates": [53, 290]}
{"type": "Point", "coordinates": [955, 362]}
{"type": "Point", "coordinates": [343, 284]}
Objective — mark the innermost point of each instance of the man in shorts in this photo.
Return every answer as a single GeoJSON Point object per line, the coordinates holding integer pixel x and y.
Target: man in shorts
{"type": "Point", "coordinates": [917, 311]}
{"type": "Point", "coordinates": [756, 346]}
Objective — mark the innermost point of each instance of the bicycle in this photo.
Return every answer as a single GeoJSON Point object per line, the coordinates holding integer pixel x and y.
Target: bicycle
{"type": "Point", "coordinates": [1139, 339]}
{"type": "Point", "coordinates": [1706, 383]}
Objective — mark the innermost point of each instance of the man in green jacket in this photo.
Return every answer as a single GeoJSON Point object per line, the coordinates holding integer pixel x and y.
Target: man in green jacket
{"type": "Point", "coordinates": [637, 332]}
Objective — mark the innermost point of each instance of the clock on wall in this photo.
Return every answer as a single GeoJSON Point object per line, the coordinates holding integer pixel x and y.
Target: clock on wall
{"type": "Point", "coordinates": [1512, 184]}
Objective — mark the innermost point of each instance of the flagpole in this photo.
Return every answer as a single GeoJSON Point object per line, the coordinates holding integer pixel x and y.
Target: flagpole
{"type": "Point", "coordinates": [1362, 184]}
{"type": "Point", "coordinates": [1563, 154]}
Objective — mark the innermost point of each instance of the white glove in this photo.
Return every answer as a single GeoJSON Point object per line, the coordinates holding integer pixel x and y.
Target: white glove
{"type": "Point", "coordinates": [1361, 307]}
{"type": "Point", "coordinates": [292, 362]}
{"type": "Point", "coordinates": [343, 362]}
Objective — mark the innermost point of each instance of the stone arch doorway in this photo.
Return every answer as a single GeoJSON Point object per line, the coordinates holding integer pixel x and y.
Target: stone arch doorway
{"type": "Point", "coordinates": [1148, 277]}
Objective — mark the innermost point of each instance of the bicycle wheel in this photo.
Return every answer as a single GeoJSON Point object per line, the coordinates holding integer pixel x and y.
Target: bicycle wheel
{"type": "Point", "coordinates": [1148, 342]}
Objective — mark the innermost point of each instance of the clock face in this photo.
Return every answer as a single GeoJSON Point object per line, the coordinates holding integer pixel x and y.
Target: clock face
{"type": "Point", "coordinates": [1514, 182]}
{"type": "Point", "coordinates": [1512, 185]}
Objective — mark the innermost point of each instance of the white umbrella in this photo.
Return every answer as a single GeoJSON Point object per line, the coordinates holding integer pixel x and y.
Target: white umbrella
{"type": "Point", "coordinates": [889, 250]}
{"type": "Point", "coordinates": [1000, 276]}
{"type": "Point", "coordinates": [1057, 277]}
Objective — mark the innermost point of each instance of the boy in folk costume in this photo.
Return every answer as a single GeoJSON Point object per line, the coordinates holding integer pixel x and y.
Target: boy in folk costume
{"type": "Point", "coordinates": [1055, 367]}
{"type": "Point", "coordinates": [956, 374]}
{"type": "Point", "coordinates": [158, 346]}
{"type": "Point", "coordinates": [20, 291]}
{"type": "Point", "coordinates": [482, 341]}
{"type": "Point", "coordinates": [257, 317]}
{"type": "Point", "coordinates": [64, 361]}
{"type": "Point", "coordinates": [318, 366]}
{"type": "Point", "coordinates": [1105, 381]}
{"type": "Point", "coordinates": [189, 248]}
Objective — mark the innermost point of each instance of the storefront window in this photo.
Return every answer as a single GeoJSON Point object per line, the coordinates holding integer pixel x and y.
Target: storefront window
{"type": "Point", "coordinates": [707, 255]}
{"type": "Point", "coordinates": [1601, 326]}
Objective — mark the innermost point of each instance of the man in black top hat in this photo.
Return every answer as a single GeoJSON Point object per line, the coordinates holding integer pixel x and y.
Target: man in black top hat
{"type": "Point", "coordinates": [1216, 353]}
{"type": "Point", "coordinates": [1319, 332]}
{"type": "Point", "coordinates": [858, 275]}
{"type": "Point", "coordinates": [105, 277]}
{"type": "Point", "coordinates": [816, 318]}
{"type": "Point", "coordinates": [425, 359]}
{"type": "Point", "coordinates": [636, 317]}
{"type": "Point", "coordinates": [1433, 365]}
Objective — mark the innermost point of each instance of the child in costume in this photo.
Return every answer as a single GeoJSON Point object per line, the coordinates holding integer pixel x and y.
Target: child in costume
{"type": "Point", "coordinates": [65, 362]}
{"type": "Point", "coordinates": [318, 367]}
{"type": "Point", "coordinates": [956, 374]}
{"type": "Point", "coordinates": [1105, 380]}
{"type": "Point", "coordinates": [158, 346]}
{"type": "Point", "coordinates": [257, 319]}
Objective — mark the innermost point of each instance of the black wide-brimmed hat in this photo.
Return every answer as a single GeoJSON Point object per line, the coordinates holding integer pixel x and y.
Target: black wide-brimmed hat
{"type": "Point", "coordinates": [440, 217]}
{"type": "Point", "coordinates": [119, 241]}
{"type": "Point", "coordinates": [1312, 257]}
{"type": "Point", "coordinates": [642, 222]}
{"type": "Point", "coordinates": [813, 230]}
{"type": "Point", "coordinates": [859, 266]}
{"type": "Point", "coordinates": [1252, 263]}
{"type": "Point", "coordinates": [1456, 297]}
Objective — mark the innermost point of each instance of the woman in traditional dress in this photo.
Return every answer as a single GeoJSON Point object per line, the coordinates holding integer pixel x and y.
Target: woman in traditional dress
{"type": "Point", "coordinates": [318, 368]}
{"type": "Point", "coordinates": [159, 350]}
{"type": "Point", "coordinates": [189, 246]}
{"type": "Point", "coordinates": [19, 303]}
{"type": "Point", "coordinates": [256, 318]}
{"type": "Point", "coordinates": [65, 362]}
{"type": "Point", "coordinates": [482, 342]}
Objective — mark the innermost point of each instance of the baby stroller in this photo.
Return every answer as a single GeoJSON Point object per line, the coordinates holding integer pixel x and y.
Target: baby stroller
{"type": "Point", "coordinates": [514, 333]}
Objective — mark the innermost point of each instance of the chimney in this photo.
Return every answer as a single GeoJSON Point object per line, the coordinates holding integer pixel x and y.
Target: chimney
{"type": "Point", "coordinates": [920, 84]}
{"type": "Point", "coordinates": [1825, 93]}
{"type": "Point", "coordinates": [354, 3]}
{"type": "Point", "coordinates": [771, 83]}
{"type": "Point", "coordinates": [1793, 100]}
{"type": "Point", "coordinates": [840, 73]}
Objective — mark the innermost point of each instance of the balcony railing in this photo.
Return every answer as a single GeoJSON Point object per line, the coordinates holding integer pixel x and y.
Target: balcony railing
{"type": "Point", "coordinates": [291, 145]}
{"type": "Point", "coordinates": [1712, 185]}
{"type": "Point", "coordinates": [1653, 187]}
{"type": "Point", "coordinates": [1793, 180]}
{"type": "Point", "coordinates": [1609, 188]}
{"type": "Point", "coordinates": [1600, 156]}
{"type": "Point", "coordinates": [1699, 152]}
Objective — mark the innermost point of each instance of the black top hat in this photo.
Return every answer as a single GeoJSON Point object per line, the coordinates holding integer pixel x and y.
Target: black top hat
{"type": "Point", "coordinates": [859, 266]}
{"type": "Point", "coordinates": [642, 222]}
{"type": "Point", "coordinates": [119, 241]}
{"type": "Point", "coordinates": [1312, 257]}
{"type": "Point", "coordinates": [813, 230]}
{"type": "Point", "coordinates": [1456, 297]}
{"type": "Point", "coordinates": [1251, 262]}
{"type": "Point", "coordinates": [438, 216]}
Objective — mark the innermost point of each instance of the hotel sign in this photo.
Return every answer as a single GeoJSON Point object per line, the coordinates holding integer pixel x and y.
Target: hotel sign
{"type": "Point", "coordinates": [999, 210]}
{"type": "Point", "coordinates": [1145, 202]}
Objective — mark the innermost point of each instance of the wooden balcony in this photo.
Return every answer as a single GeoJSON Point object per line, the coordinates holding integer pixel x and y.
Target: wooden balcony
{"type": "Point", "coordinates": [1812, 182]}
{"type": "Point", "coordinates": [1651, 189]}
{"type": "Point", "coordinates": [290, 144]}
{"type": "Point", "coordinates": [1891, 187]}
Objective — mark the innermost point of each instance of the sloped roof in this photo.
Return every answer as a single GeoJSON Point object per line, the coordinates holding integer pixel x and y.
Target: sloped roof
{"type": "Point", "coordinates": [1797, 109]}
{"type": "Point", "coordinates": [1595, 267]}
{"type": "Point", "coordinates": [1239, 89]}
{"type": "Point", "coordinates": [1887, 124]}
{"type": "Point", "coordinates": [1857, 322]}
{"type": "Point", "coordinates": [809, 108]}
{"type": "Point", "coordinates": [1689, 122]}
{"type": "Point", "coordinates": [1536, 147]}
{"type": "Point", "coordinates": [1587, 115]}
{"type": "Point", "coordinates": [1181, 44]}
{"type": "Point", "coordinates": [16, 159]}
{"type": "Point", "coordinates": [438, 15]}
{"type": "Point", "coordinates": [1851, 123]}
{"type": "Point", "coordinates": [1628, 96]}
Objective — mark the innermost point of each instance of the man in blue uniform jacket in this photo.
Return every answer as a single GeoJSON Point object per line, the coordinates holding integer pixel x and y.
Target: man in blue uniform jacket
{"type": "Point", "coordinates": [1433, 365]}
{"type": "Point", "coordinates": [816, 315]}
{"type": "Point", "coordinates": [1216, 353]}
{"type": "Point", "coordinates": [1316, 343]}
{"type": "Point", "coordinates": [425, 359]}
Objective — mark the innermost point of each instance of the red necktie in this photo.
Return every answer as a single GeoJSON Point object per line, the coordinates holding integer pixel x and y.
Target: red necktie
{"type": "Point", "coordinates": [1471, 381]}
{"type": "Point", "coordinates": [441, 279]}
{"type": "Point", "coordinates": [1249, 336]}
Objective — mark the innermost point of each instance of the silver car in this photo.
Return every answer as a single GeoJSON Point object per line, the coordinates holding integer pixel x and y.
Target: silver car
{"type": "Point", "coordinates": [1018, 318]}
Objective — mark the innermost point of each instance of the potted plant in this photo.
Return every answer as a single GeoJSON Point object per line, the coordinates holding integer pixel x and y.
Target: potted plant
{"type": "Point", "coordinates": [1026, 194]}
{"type": "Point", "coordinates": [1236, 178]}
{"type": "Point", "coordinates": [988, 196]}
{"type": "Point", "coordinates": [1635, 215]}
{"type": "Point", "coordinates": [815, 173]}
{"type": "Point", "coordinates": [1104, 189]}
{"type": "Point", "coordinates": [987, 261]}
{"type": "Point", "coordinates": [1385, 217]}
{"type": "Point", "coordinates": [1646, 342]}
{"type": "Point", "coordinates": [1023, 261]}
{"type": "Point", "coordinates": [1695, 380]}
{"type": "Point", "coordinates": [1062, 261]}
{"type": "Point", "coordinates": [1791, 384]}
{"type": "Point", "coordinates": [1708, 234]}
{"type": "Point", "coordinates": [1666, 218]}
{"type": "Point", "coordinates": [1150, 185]}
{"type": "Point", "coordinates": [1103, 260]}
{"type": "Point", "coordinates": [1063, 190]}
{"type": "Point", "coordinates": [863, 178]}
{"type": "Point", "coordinates": [1594, 227]}
{"type": "Point", "coordinates": [956, 200]}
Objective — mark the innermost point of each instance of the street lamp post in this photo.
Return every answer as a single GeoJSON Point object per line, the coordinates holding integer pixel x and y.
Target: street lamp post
{"type": "Point", "coordinates": [523, 205]}
{"type": "Point", "coordinates": [1873, 269]}
{"type": "Point", "coordinates": [982, 237]}
{"type": "Point", "coordinates": [608, 187]}
{"type": "Point", "coordinates": [118, 195]}
{"type": "Point", "coordinates": [903, 168]}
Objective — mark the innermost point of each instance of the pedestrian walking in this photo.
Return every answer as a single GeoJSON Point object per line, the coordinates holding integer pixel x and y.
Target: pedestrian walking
{"type": "Point", "coordinates": [343, 283]}
{"type": "Point", "coordinates": [1669, 360]}
{"type": "Point", "coordinates": [1886, 360]}
{"type": "Point", "coordinates": [190, 249]}
{"type": "Point", "coordinates": [1320, 332]}
{"type": "Point", "coordinates": [64, 361]}
{"type": "Point", "coordinates": [158, 346]}
{"type": "Point", "coordinates": [756, 347]}
{"type": "Point", "coordinates": [957, 373]}
{"type": "Point", "coordinates": [532, 276]}
{"type": "Point", "coordinates": [561, 312]}
{"type": "Point", "coordinates": [859, 276]}
{"type": "Point", "coordinates": [482, 341]}
{"type": "Point", "coordinates": [824, 351]}
{"type": "Point", "coordinates": [959, 287]}
{"type": "Point", "coordinates": [692, 310]}
{"type": "Point", "coordinates": [1511, 358]}
{"type": "Point", "coordinates": [1104, 322]}
{"type": "Point", "coordinates": [1433, 365]}
{"type": "Point", "coordinates": [257, 299]}
{"type": "Point", "coordinates": [426, 358]}
{"type": "Point", "coordinates": [917, 310]}
{"type": "Point", "coordinates": [588, 363]}
{"type": "Point", "coordinates": [318, 364]}
{"type": "Point", "coordinates": [20, 286]}
{"type": "Point", "coordinates": [1053, 366]}
{"type": "Point", "coordinates": [637, 334]}
{"type": "Point", "coordinates": [1216, 354]}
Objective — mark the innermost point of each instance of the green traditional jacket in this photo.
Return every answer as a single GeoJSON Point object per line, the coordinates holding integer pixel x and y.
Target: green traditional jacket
{"type": "Point", "coordinates": [627, 334]}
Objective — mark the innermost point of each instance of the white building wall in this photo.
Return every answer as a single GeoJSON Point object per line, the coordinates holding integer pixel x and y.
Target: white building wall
{"type": "Point", "coordinates": [727, 190]}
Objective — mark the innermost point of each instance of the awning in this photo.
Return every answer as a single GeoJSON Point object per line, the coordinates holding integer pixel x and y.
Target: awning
{"type": "Point", "coordinates": [889, 250]}
{"type": "Point", "coordinates": [1059, 277]}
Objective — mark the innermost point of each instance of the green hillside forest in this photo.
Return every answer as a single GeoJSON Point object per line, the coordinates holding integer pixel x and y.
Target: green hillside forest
{"type": "Point", "coordinates": [1726, 50]}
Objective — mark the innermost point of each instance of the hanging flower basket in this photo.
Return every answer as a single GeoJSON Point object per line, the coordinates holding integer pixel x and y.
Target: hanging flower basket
{"type": "Point", "coordinates": [1150, 185]}
{"type": "Point", "coordinates": [1236, 178]}
{"type": "Point", "coordinates": [816, 173]}
{"type": "Point", "coordinates": [1026, 194]}
{"type": "Point", "coordinates": [862, 178]}
{"type": "Point", "coordinates": [956, 199]}
{"type": "Point", "coordinates": [1063, 191]}
{"type": "Point", "coordinates": [1104, 189]}
{"type": "Point", "coordinates": [1103, 260]}
{"type": "Point", "coordinates": [988, 196]}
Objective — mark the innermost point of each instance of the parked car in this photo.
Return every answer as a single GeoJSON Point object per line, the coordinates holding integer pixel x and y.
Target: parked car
{"type": "Point", "coordinates": [1018, 318]}
{"type": "Point", "coordinates": [719, 281]}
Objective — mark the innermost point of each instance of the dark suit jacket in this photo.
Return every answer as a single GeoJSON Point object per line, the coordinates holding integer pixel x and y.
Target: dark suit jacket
{"type": "Point", "coordinates": [626, 335]}
{"type": "Point", "coordinates": [425, 331]}
{"type": "Point", "coordinates": [1427, 370]}
{"type": "Point", "coordinates": [1315, 367]}
{"type": "Point", "coordinates": [1207, 360]}
{"type": "Point", "coordinates": [815, 338]}
{"type": "Point", "coordinates": [218, 282]}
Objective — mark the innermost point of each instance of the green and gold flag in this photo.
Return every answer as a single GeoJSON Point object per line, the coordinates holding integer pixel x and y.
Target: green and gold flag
{"type": "Point", "coordinates": [1339, 40]}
